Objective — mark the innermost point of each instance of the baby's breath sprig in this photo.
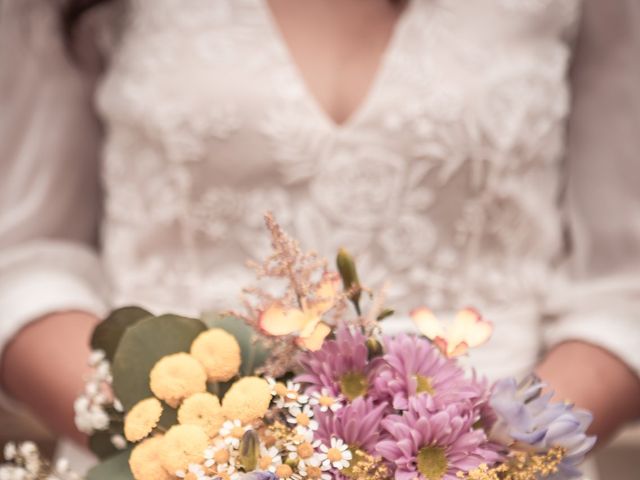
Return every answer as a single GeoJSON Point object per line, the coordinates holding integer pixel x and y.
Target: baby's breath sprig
{"type": "Point", "coordinates": [24, 462]}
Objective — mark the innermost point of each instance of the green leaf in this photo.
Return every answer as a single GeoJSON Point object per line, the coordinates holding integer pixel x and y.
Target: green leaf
{"type": "Point", "coordinates": [254, 353]}
{"type": "Point", "coordinates": [115, 468]}
{"type": "Point", "coordinates": [108, 333]}
{"type": "Point", "coordinates": [169, 416]}
{"type": "Point", "coordinates": [142, 345]}
{"type": "Point", "coordinates": [387, 312]}
{"type": "Point", "coordinates": [100, 444]}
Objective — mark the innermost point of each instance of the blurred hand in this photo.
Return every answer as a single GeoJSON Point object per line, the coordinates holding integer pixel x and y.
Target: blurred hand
{"type": "Point", "coordinates": [592, 378]}
{"type": "Point", "coordinates": [44, 366]}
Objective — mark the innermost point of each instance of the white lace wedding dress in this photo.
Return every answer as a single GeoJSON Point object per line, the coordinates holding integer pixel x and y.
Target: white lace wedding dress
{"type": "Point", "coordinates": [452, 180]}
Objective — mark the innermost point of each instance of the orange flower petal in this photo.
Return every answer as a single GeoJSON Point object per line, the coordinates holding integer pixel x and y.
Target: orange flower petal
{"type": "Point", "coordinates": [316, 339]}
{"type": "Point", "coordinates": [441, 344]}
{"type": "Point", "coordinates": [458, 349]}
{"type": "Point", "coordinates": [326, 294]}
{"type": "Point", "coordinates": [278, 320]}
{"type": "Point", "coordinates": [427, 323]}
{"type": "Point", "coordinates": [471, 328]}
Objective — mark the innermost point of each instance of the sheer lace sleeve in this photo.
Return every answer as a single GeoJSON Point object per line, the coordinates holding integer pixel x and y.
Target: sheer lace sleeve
{"type": "Point", "coordinates": [48, 173]}
{"type": "Point", "coordinates": [599, 300]}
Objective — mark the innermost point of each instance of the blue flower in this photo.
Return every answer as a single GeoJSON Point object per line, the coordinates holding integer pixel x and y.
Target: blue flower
{"type": "Point", "coordinates": [526, 419]}
{"type": "Point", "coordinates": [258, 476]}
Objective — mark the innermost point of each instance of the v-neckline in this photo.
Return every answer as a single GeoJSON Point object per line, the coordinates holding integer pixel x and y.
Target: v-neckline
{"type": "Point", "coordinates": [375, 83]}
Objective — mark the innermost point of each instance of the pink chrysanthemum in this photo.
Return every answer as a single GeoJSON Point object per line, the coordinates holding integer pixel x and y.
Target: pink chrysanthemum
{"type": "Point", "coordinates": [434, 446]}
{"type": "Point", "coordinates": [342, 366]}
{"type": "Point", "coordinates": [358, 424]}
{"type": "Point", "coordinates": [415, 367]}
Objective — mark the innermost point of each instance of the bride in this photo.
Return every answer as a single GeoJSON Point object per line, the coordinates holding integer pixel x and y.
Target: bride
{"type": "Point", "coordinates": [443, 142]}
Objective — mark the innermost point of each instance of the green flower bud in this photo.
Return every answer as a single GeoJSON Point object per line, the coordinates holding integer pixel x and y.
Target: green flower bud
{"type": "Point", "coordinates": [349, 274]}
{"type": "Point", "coordinates": [374, 347]}
{"type": "Point", "coordinates": [249, 450]}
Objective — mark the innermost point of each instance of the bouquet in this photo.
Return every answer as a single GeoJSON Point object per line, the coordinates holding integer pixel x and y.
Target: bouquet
{"type": "Point", "coordinates": [301, 384]}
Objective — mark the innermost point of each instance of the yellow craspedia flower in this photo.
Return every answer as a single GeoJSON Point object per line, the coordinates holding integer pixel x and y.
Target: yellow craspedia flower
{"type": "Point", "coordinates": [247, 400]}
{"type": "Point", "coordinates": [142, 419]}
{"type": "Point", "coordinates": [218, 351]}
{"type": "Point", "coordinates": [176, 377]}
{"type": "Point", "coordinates": [181, 446]}
{"type": "Point", "coordinates": [204, 410]}
{"type": "Point", "coordinates": [145, 461]}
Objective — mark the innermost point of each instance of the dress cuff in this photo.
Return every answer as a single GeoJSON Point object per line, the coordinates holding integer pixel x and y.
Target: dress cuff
{"type": "Point", "coordinates": [616, 332]}
{"type": "Point", "coordinates": [50, 277]}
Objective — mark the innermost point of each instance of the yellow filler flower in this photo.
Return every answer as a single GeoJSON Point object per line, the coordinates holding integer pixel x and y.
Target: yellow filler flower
{"type": "Point", "coordinates": [247, 400]}
{"type": "Point", "coordinates": [145, 461]}
{"type": "Point", "coordinates": [218, 351]}
{"type": "Point", "coordinates": [181, 446]}
{"type": "Point", "coordinates": [204, 410]}
{"type": "Point", "coordinates": [176, 377]}
{"type": "Point", "coordinates": [142, 419]}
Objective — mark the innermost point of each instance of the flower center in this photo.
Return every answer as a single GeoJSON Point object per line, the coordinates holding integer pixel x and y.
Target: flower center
{"type": "Point", "coordinates": [325, 401]}
{"type": "Point", "coordinates": [302, 419]}
{"type": "Point", "coordinates": [221, 456]}
{"type": "Point", "coordinates": [283, 471]}
{"type": "Point", "coordinates": [314, 472]}
{"type": "Point", "coordinates": [265, 462]}
{"type": "Point", "coordinates": [334, 455]}
{"type": "Point", "coordinates": [353, 385]}
{"type": "Point", "coordinates": [237, 432]}
{"type": "Point", "coordinates": [432, 462]}
{"type": "Point", "coordinates": [281, 389]}
{"type": "Point", "coordinates": [424, 385]}
{"type": "Point", "coordinates": [305, 450]}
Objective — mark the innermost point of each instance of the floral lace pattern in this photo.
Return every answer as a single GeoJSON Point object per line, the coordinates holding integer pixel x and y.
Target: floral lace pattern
{"type": "Point", "coordinates": [446, 177]}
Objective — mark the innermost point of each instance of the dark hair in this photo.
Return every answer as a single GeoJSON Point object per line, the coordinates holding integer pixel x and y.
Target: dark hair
{"type": "Point", "coordinates": [72, 11]}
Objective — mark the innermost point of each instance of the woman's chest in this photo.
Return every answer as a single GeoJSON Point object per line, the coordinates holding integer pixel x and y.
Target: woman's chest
{"type": "Point", "coordinates": [214, 82]}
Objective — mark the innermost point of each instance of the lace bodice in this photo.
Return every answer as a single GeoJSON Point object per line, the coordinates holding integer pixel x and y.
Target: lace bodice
{"type": "Point", "coordinates": [443, 180]}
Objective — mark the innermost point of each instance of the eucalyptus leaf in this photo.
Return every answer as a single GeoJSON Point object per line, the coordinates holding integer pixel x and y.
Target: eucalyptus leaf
{"type": "Point", "coordinates": [254, 353]}
{"type": "Point", "coordinates": [108, 333]}
{"type": "Point", "coordinates": [142, 345]}
{"type": "Point", "coordinates": [100, 444]}
{"type": "Point", "coordinates": [219, 389]}
{"type": "Point", "coordinates": [169, 416]}
{"type": "Point", "coordinates": [114, 468]}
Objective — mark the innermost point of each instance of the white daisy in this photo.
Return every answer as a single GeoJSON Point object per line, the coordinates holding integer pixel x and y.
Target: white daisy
{"type": "Point", "coordinates": [269, 459]}
{"type": "Point", "coordinates": [303, 417]}
{"type": "Point", "coordinates": [314, 473]}
{"type": "Point", "coordinates": [232, 431]}
{"type": "Point", "coordinates": [219, 454]}
{"type": "Point", "coordinates": [292, 396]}
{"type": "Point", "coordinates": [286, 472]}
{"type": "Point", "coordinates": [305, 453]}
{"type": "Point", "coordinates": [337, 455]}
{"type": "Point", "coordinates": [325, 401]}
